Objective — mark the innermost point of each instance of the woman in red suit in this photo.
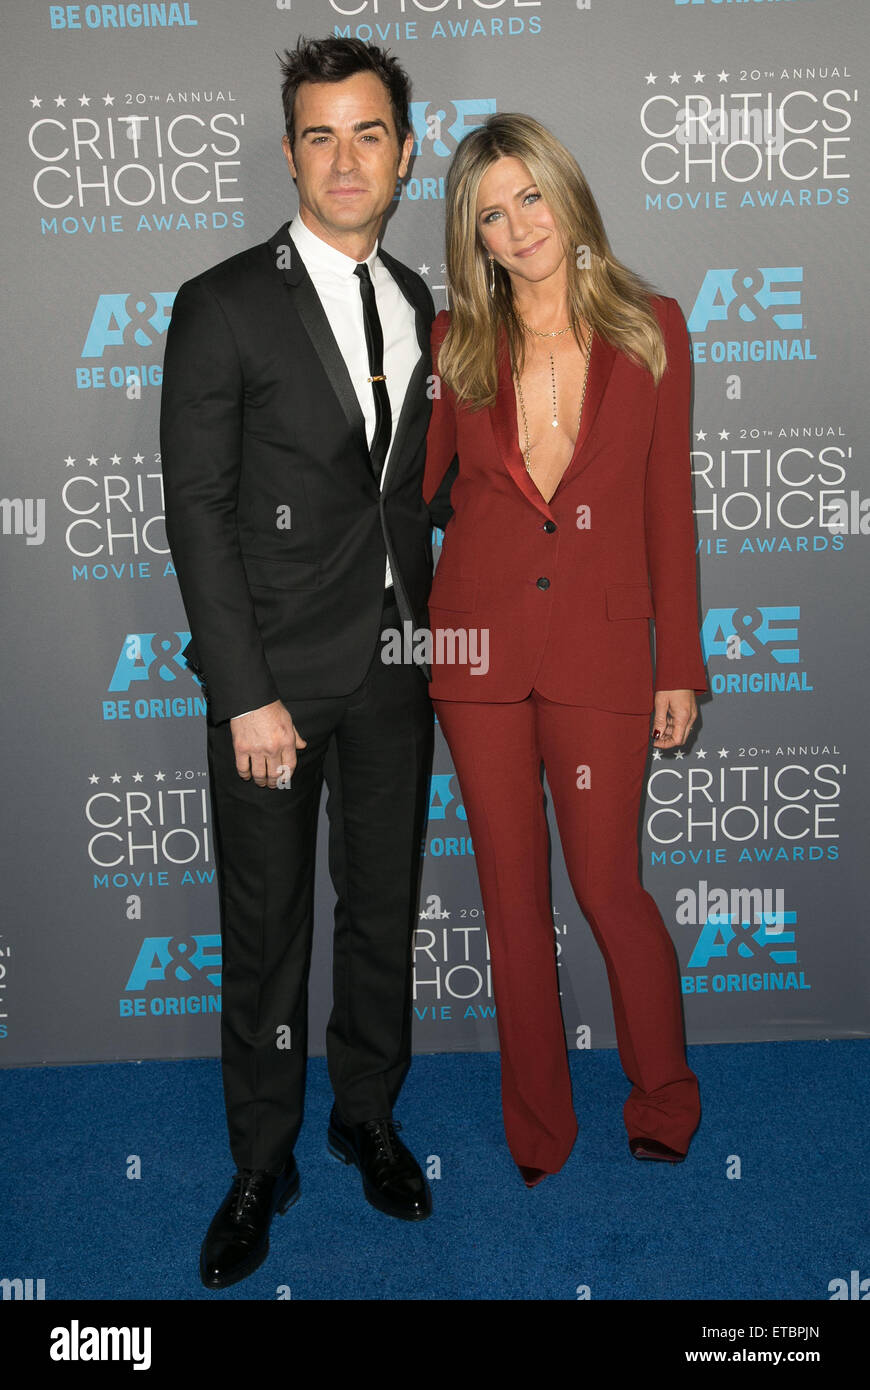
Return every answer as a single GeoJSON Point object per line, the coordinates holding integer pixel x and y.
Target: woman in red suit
{"type": "Point", "coordinates": [564, 400]}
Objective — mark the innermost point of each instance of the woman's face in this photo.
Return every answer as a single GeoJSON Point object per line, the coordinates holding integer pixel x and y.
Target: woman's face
{"type": "Point", "coordinates": [515, 224]}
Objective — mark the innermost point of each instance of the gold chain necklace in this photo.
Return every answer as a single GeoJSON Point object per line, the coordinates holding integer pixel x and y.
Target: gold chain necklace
{"type": "Point", "coordinates": [557, 332]}
{"type": "Point", "coordinates": [527, 451]}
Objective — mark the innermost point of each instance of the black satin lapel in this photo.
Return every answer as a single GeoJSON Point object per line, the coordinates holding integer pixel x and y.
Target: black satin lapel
{"type": "Point", "coordinates": [316, 325]}
{"type": "Point", "coordinates": [410, 287]}
{"type": "Point", "coordinates": [413, 417]}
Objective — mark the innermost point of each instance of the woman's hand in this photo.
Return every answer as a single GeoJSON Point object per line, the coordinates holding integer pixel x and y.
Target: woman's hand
{"type": "Point", "coordinates": [675, 713]}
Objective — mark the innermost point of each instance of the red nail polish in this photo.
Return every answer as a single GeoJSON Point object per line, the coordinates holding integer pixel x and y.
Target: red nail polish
{"type": "Point", "coordinates": [656, 734]}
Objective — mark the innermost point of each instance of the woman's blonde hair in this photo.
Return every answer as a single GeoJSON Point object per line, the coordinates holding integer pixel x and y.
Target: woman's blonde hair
{"type": "Point", "coordinates": [603, 293]}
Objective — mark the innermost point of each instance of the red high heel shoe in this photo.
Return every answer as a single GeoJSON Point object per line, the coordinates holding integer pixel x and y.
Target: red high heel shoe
{"type": "Point", "coordinates": [532, 1176]}
{"type": "Point", "coordinates": [651, 1148]}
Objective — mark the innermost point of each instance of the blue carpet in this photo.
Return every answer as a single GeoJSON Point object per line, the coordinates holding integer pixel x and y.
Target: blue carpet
{"type": "Point", "coordinates": [794, 1113]}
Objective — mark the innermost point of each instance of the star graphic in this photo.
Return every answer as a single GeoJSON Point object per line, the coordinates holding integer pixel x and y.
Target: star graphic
{"type": "Point", "coordinates": [699, 76]}
{"type": "Point", "coordinates": [108, 101]}
{"type": "Point", "coordinates": [445, 914]}
{"type": "Point", "coordinates": [650, 79]}
{"type": "Point", "coordinates": [93, 779]}
{"type": "Point", "coordinates": [700, 434]}
{"type": "Point", "coordinates": [723, 76]}
{"type": "Point", "coordinates": [422, 270]}
{"type": "Point", "coordinates": [69, 461]}
{"type": "Point", "coordinates": [723, 752]}
{"type": "Point", "coordinates": [160, 777]}
{"type": "Point", "coordinates": [138, 458]}
{"type": "Point", "coordinates": [423, 917]}
{"type": "Point", "coordinates": [137, 776]}
{"type": "Point", "coordinates": [700, 753]}
{"type": "Point", "coordinates": [60, 101]}
{"type": "Point", "coordinates": [116, 776]}
{"type": "Point", "coordinates": [657, 753]}
{"type": "Point", "coordinates": [36, 101]}
{"type": "Point", "coordinates": [116, 459]}
{"type": "Point", "coordinates": [674, 79]}
{"type": "Point", "coordinates": [679, 753]}
{"type": "Point", "coordinates": [723, 434]}
{"type": "Point", "coordinates": [92, 460]}
{"type": "Point", "coordinates": [84, 101]}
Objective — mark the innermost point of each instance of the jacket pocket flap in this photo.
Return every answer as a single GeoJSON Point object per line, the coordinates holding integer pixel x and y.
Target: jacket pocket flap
{"type": "Point", "coordinates": [280, 573]}
{"type": "Point", "coordinates": [629, 601]}
{"type": "Point", "coordinates": [453, 594]}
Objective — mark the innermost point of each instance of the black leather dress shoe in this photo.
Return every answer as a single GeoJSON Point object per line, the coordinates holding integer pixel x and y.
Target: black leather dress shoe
{"type": "Point", "coordinates": [391, 1176]}
{"type": "Point", "coordinates": [651, 1148]}
{"type": "Point", "coordinates": [237, 1241]}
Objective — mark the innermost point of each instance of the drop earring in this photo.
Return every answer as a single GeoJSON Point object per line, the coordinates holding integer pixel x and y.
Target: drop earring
{"type": "Point", "coordinates": [492, 275]}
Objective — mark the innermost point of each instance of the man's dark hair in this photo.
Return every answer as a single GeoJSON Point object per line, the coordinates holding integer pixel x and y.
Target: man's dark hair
{"type": "Point", "coordinates": [334, 59]}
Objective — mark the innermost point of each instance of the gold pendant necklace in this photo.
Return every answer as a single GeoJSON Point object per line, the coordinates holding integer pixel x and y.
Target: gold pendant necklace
{"type": "Point", "coordinates": [527, 452]}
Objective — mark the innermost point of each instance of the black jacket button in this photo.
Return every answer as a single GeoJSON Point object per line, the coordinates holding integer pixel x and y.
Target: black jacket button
{"type": "Point", "coordinates": [543, 583]}
{"type": "Point", "coordinates": [549, 526]}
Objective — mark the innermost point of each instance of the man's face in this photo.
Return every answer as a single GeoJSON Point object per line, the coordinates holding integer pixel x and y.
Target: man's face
{"type": "Point", "coordinates": [346, 158]}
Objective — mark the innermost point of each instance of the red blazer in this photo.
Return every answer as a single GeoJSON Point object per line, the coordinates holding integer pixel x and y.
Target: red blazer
{"type": "Point", "coordinates": [567, 606]}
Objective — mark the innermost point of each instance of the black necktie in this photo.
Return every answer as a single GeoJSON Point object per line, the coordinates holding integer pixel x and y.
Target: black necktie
{"type": "Point", "coordinates": [375, 347]}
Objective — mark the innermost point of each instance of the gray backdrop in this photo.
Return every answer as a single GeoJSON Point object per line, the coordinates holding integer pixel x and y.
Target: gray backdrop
{"type": "Point", "coordinates": [725, 144]}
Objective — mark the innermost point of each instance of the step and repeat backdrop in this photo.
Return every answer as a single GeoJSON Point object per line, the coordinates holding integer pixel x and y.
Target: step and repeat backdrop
{"type": "Point", "coordinates": [726, 144]}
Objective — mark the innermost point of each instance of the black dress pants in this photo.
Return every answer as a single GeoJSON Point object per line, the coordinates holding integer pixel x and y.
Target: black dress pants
{"type": "Point", "coordinates": [374, 748]}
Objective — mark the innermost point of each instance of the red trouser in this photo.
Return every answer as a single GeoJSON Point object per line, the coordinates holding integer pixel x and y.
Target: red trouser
{"type": "Point", "coordinates": [497, 751]}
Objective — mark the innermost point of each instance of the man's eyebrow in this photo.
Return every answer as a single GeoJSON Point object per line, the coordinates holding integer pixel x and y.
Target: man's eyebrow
{"type": "Point", "coordinates": [357, 126]}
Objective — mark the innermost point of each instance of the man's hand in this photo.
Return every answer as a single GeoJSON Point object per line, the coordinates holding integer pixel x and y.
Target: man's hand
{"type": "Point", "coordinates": [675, 713]}
{"type": "Point", "coordinates": [265, 743]}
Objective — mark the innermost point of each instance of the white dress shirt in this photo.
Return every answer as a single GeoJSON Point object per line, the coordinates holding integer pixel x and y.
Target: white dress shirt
{"type": "Point", "coordinates": [338, 289]}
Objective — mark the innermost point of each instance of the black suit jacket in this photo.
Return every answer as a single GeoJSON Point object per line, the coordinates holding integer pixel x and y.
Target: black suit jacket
{"type": "Point", "coordinates": [278, 528]}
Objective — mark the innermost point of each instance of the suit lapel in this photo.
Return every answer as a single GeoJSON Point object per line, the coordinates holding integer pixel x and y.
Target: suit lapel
{"type": "Point", "coordinates": [503, 415]}
{"type": "Point", "coordinates": [601, 362]}
{"type": "Point", "coordinates": [316, 324]}
{"type": "Point", "coordinates": [413, 416]}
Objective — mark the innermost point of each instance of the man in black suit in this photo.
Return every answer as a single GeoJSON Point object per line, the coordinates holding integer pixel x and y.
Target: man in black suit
{"type": "Point", "coordinates": [293, 429]}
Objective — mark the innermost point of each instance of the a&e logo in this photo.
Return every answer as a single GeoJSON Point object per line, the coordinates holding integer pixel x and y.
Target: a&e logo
{"type": "Point", "coordinates": [754, 294]}
{"type": "Point", "coordinates": [744, 638]}
{"type": "Point", "coordinates": [147, 657]}
{"type": "Point", "coordinates": [766, 300]}
{"type": "Point", "coordinates": [730, 939]}
{"type": "Point", "coordinates": [128, 320]}
{"type": "Point", "coordinates": [163, 958]}
{"type": "Point", "coordinates": [157, 955]}
{"type": "Point", "coordinates": [444, 805]}
{"type": "Point", "coordinates": [144, 656]}
{"type": "Point", "coordinates": [437, 130]}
